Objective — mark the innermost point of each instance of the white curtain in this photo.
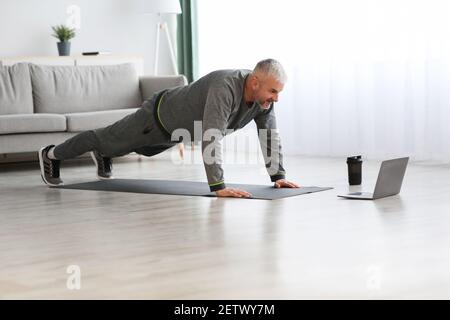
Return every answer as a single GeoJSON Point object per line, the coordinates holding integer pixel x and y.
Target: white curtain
{"type": "Point", "coordinates": [365, 77]}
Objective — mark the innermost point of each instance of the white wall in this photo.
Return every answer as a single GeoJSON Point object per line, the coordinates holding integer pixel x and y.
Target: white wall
{"type": "Point", "coordinates": [364, 77]}
{"type": "Point", "coordinates": [118, 26]}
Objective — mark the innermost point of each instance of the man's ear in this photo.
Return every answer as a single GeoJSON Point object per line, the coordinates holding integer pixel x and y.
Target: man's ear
{"type": "Point", "coordinates": [255, 82]}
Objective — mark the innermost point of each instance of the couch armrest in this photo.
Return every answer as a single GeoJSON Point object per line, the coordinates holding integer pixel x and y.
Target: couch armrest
{"type": "Point", "coordinates": [152, 84]}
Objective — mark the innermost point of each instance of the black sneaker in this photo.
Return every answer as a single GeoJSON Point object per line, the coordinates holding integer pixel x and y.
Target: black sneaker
{"type": "Point", "coordinates": [49, 167]}
{"type": "Point", "coordinates": [104, 166]}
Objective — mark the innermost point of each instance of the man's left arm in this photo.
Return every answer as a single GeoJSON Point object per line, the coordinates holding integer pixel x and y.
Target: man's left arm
{"type": "Point", "coordinates": [269, 140]}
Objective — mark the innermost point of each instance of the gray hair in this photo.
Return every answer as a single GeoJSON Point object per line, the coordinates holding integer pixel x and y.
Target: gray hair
{"type": "Point", "coordinates": [271, 67]}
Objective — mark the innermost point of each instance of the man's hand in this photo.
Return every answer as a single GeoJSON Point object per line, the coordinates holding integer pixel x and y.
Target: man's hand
{"type": "Point", "coordinates": [233, 192]}
{"type": "Point", "coordinates": [283, 183]}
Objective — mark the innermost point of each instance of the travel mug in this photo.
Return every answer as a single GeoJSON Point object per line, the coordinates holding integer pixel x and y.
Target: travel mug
{"type": "Point", "coordinates": [354, 165]}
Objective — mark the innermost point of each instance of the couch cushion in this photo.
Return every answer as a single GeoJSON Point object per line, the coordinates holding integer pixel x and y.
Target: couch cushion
{"type": "Point", "coordinates": [15, 89]}
{"type": "Point", "coordinates": [67, 89]}
{"type": "Point", "coordinates": [93, 120]}
{"type": "Point", "coordinates": [28, 123]}
{"type": "Point", "coordinates": [31, 142]}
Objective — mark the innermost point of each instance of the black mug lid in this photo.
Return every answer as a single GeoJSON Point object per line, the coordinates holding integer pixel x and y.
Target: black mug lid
{"type": "Point", "coordinates": [354, 159]}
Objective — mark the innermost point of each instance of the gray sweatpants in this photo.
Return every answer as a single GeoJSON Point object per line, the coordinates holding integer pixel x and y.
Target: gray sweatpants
{"type": "Point", "coordinates": [138, 132]}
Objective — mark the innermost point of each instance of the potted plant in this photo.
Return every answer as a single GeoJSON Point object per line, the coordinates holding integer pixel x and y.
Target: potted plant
{"type": "Point", "coordinates": [63, 34]}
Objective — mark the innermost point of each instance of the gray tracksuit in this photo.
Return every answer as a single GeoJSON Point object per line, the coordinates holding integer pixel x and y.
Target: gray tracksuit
{"type": "Point", "coordinates": [216, 99]}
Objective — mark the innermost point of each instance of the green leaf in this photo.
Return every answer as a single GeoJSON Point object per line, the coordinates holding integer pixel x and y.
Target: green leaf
{"type": "Point", "coordinates": [63, 33]}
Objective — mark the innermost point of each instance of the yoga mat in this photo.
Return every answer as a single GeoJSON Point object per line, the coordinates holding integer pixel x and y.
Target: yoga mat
{"type": "Point", "coordinates": [187, 188]}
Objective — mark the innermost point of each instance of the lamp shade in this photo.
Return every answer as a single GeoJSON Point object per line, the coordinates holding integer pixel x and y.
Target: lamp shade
{"type": "Point", "coordinates": [161, 6]}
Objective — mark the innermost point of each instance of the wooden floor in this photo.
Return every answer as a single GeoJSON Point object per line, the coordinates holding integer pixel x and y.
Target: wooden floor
{"type": "Point", "coordinates": [179, 247]}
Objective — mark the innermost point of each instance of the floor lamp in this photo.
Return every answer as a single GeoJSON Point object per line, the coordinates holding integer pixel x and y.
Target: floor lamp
{"type": "Point", "coordinates": [160, 7]}
{"type": "Point", "coordinates": [164, 7]}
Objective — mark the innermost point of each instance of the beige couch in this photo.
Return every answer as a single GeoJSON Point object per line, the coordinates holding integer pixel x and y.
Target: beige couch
{"type": "Point", "coordinates": [40, 104]}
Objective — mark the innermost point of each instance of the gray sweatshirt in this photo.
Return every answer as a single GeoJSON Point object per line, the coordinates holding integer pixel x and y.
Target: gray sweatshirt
{"type": "Point", "coordinates": [217, 100]}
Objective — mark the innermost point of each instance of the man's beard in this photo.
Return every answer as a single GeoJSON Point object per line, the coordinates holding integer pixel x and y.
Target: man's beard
{"type": "Point", "coordinates": [265, 104]}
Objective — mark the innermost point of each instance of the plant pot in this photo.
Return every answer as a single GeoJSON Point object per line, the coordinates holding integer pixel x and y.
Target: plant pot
{"type": "Point", "coordinates": [64, 48]}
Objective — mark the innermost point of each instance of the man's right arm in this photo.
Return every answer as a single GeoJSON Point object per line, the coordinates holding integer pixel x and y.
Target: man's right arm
{"type": "Point", "coordinates": [215, 120]}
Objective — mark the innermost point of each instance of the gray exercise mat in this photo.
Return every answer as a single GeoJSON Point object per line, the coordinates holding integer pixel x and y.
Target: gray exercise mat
{"type": "Point", "coordinates": [187, 188]}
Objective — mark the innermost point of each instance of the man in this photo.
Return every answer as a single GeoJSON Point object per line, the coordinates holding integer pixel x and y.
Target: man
{"type": "Point", "coordinates": [223, 100]}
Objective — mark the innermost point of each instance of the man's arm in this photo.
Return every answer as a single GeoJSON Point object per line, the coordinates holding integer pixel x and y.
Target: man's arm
{"type": "Point", "coordinates": [215, 119]}
{"type": "Point", "coordinates": [270, 143]}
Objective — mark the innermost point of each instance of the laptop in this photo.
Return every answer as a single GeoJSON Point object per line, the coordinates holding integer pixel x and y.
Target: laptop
{"type": "Point", "coordinates": [389, 181]}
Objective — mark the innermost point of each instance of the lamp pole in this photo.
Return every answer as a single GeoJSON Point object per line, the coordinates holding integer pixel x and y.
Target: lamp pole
{"type": "Point", "coordinates": [163, 26]}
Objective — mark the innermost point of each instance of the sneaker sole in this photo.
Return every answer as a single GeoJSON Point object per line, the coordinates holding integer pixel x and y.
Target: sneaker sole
{"type": "Point", "coordinates": [41, 165]}
{"type": "Point", "coordinates": [96, 166]}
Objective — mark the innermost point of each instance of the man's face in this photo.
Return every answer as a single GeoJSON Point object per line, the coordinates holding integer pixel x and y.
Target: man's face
{"type": "Point", "coordinates": [267, 90]}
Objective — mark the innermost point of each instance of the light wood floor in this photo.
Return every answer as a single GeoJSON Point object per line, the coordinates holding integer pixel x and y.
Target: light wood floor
{"type": "Point", "coordinates": [178, 247]}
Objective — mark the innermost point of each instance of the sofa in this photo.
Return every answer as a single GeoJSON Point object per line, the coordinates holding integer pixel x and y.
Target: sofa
{"type": "Point", "coordinates": [41, 105]}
